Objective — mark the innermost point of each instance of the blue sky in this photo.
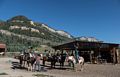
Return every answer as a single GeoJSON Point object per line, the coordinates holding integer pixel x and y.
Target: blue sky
{"type": "Point", "coordinates": [94, 18]}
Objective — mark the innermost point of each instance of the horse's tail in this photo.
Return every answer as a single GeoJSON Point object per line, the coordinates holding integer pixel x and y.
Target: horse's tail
{"type": "Point", "coordinates": [83, 61]}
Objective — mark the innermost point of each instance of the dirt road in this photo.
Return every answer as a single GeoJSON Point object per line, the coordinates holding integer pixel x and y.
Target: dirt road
{"type": "Point", "coordinates": [90, 70]}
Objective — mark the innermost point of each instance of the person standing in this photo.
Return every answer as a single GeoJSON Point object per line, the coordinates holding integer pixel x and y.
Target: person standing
{"type": "Point", "coordinates": [44, 57]}
{"type": "Point", "coordinates": [37, 63]}
{"type": "Point", "coordinates": [76, 53]}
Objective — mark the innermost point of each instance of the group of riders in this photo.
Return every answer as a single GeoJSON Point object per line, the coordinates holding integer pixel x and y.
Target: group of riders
{"type": "Point", "coordinates": [34, 61]}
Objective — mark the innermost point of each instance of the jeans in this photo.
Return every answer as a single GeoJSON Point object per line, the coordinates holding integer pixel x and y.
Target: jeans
{"type": "Point", "coordinates": [37, 67]}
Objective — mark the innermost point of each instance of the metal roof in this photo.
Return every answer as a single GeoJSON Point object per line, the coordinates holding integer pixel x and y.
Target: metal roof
{"type": "Point", "coordinates": [2, 45]}
{"type": "Point", "coordinates": [85, 45]}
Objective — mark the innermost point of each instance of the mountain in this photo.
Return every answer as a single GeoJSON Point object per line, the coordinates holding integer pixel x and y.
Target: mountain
{"type": "Point", "coordinates": [19, 18]}
{"type": "Point", "coordinates": [60, 32]}
{"type": "Point", "coordinates": [88, 39]}
{"type": "Point", "coordinates": [20, 32]}
{"type": "Point", "coordinates": [1, 22]}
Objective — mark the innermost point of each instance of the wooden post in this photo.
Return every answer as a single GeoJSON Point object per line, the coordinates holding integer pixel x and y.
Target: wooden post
{"type": "Point", "coordinates": [96, 55]}
{"type": "Point", "coordinates": [114, 56]}
{"type": "Point", "coordinates": [118, 55]}
{"type": "Point", "coordinates": [91, 56]}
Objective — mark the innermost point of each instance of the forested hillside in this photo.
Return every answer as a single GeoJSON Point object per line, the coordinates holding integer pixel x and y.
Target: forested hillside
{"type": "Point", "coordinates": [20, 32]}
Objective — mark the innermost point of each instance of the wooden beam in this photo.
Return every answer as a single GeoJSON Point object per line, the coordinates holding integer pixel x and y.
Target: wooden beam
{"type": "Point", "coordinates": [114, 56]}
{"type": "Point", "coordinates": [118, 55]}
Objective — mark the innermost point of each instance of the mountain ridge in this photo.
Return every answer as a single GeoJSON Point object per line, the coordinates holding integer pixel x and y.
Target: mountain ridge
{"type": "Point", "coordinates": [26, 33]}
{"type": "Point", "coordinates": [21, 32]}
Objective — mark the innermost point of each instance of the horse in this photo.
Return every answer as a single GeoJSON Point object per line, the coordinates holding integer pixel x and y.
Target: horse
{"type": "Point", "coordinates": [72, 60]}
{"type": "Point", "coordinates": [2, 53]}
{"type": "Point", "coordinates": [27, 60]}
{"type": "Point", "coordinates": [53, 60]}
{"type": "Point", "coordinates": [21, 57]}
{"type": "Point", "coordinates": [61, 60]}
{"type": "Point", "coordinates": [30, 61]}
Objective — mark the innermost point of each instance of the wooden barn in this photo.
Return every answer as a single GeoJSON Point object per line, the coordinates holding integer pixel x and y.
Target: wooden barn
{"type": "Point", "coordinates": [94, 52]}
{"type": "Point", "coordinates": [2, 48]}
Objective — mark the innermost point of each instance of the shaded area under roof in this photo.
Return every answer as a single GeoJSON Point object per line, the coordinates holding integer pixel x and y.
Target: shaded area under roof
{"type": "Point", "coordinates": [85, 45]}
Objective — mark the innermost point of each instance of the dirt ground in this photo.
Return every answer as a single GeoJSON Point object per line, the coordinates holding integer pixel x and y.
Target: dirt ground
{"type": "Point", "coordinates": [90, 70]}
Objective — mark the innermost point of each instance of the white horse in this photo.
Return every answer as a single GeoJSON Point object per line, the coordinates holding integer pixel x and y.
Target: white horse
{"type": "Point", "coordinates": [72, 60]}
{"type": "Point", "coordinates": [2, 53]}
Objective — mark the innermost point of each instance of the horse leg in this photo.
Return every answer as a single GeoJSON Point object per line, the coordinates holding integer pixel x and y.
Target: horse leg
{"type": "Point", "coordinates": [51, 60]}
{"type": "Point", "coordinates": [82, 66]}
{"type": "Point", "coordinates": [69, 64]}
{"type": "Point", "coordinates": [28, 66]}
{"type": "Point", "coordinates": [25, 63]}
{"type": "Point", "coordinates": [60, 64]}
{"type": "Point", "coordinates": [33, 64]}
{"type": "Point", "coordinates": [63, 64]}
{"type": "Point", "coordinates": [73, 65]}
{"type": "Point", "coordinates": [54, 64]}
{"type": "Point", "coordinates": [31, 68]}
{"type": "Point", "coordinates": [51, 64]}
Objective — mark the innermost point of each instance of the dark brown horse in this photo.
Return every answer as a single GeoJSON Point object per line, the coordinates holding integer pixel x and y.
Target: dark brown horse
{"type": "Point", "coordinates": [57, 58]}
